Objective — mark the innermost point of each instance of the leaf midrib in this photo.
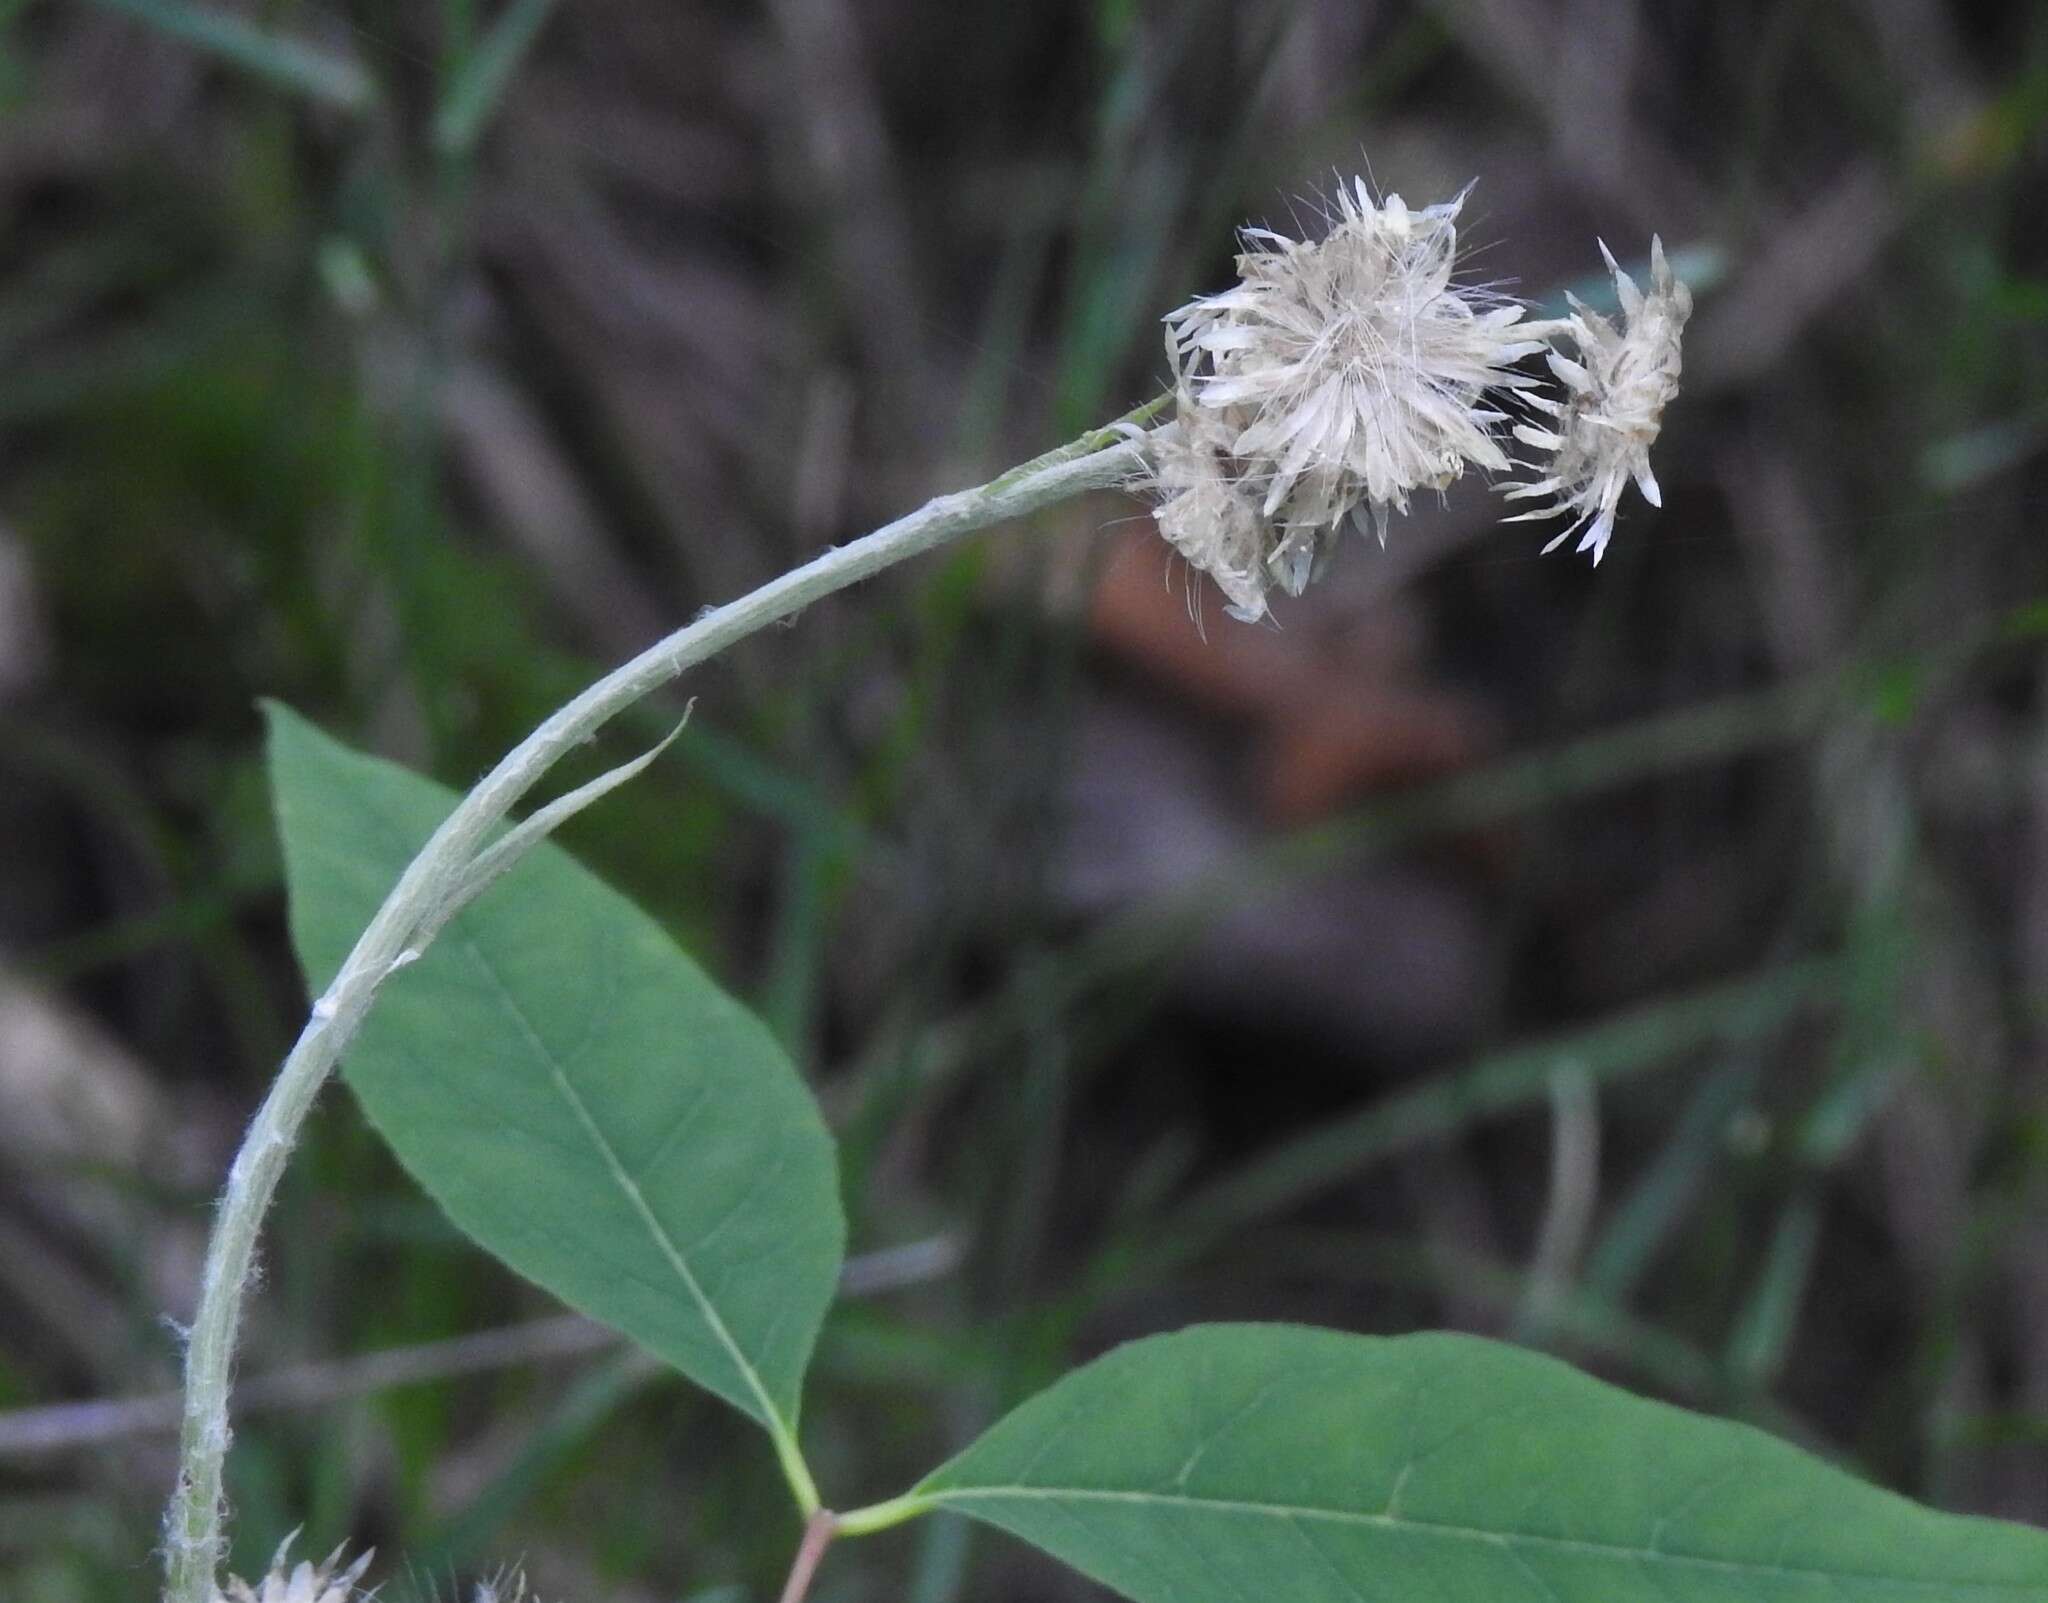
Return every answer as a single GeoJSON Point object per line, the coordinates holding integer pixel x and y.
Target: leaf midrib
{"type": "Point", "coordinates": [1467, 1533]}
{"type": "Point", "coordinates": [656, 1230]}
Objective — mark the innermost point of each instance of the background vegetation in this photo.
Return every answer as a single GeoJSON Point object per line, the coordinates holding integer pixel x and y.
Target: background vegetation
{"type": "Point", "coordinates": [1650, 965]}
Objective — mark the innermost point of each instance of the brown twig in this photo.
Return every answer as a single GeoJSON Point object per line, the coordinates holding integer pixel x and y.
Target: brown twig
{"type": "Point", "coordinates": [63, 1427]}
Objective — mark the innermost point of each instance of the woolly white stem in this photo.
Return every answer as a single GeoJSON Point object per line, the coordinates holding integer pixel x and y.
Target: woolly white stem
{"type": "Point", "coordinates": [192, 1531]}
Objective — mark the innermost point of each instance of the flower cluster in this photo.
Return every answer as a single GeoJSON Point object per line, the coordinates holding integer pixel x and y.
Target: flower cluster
{"type": "Point", "coordinates": [328, 1582]}
{"type": "Point", "coordinates": [1344, 374]}
{"type": "Point", "coordinates": [1614, 401]}
{"type": "Point", "coordinates": [305, 1582]}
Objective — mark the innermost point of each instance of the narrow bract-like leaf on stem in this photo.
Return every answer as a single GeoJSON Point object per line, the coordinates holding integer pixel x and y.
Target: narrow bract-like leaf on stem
{"type": "Point", "coordinates": [503, 854]}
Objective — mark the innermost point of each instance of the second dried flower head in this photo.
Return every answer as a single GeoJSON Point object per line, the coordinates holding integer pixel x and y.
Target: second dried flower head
{"type": "Point", "coordinates": [1345, 373]}
{"type": "Point", "coordinates": [305, 1582]}
{"type": "Point", "coordinates": [332, 1581]}
{"type": "Point", "coordinates": [1613, 407]}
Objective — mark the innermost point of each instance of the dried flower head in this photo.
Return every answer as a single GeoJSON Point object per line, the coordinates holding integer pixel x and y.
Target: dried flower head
{"type": "Point", "coordinates": [1615, 394]}
{"type": "Point", "coordinates": [507, 1586]}
{"type": "Point", "coordinates": [305, 1582]}
{"type": "Point", "coordinates": [1340, 376]}
{"type": "Point", "coordinates": [1206, 512]}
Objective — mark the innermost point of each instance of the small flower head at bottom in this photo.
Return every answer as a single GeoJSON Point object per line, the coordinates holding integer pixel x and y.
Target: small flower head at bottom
{"type": "Point", "coordinates": [305, 1582]}
{"type": "Point", "coordinates": [507, 1586]}
{"type": "Point", "coordinates": [1600, 434]}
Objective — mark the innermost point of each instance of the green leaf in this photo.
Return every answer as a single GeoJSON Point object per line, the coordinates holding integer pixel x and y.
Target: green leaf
{"type": "Point", "coordinates": [1278, 1464]}
{"type": "Point", "coordinates": [574, 1091]}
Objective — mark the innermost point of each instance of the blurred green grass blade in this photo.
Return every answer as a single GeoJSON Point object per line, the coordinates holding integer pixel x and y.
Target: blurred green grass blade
{"type": "Point", "coordinates": [781, 795]}
{"type": "Point", "coordinates": [1837, 1121]}
{"type": "Point", "coordinates": [999, 344]}
{"type": "Point", "coordinates": [1656, 1203]}
{"type": "Point", "coordinates": [335, 1472]}
{"type": "Point", "coordinates": [1144, 938]}
{"type": "Point", "coordinates": [1763, 1332]}
{"type": "Point", "coordinates": [481, 81]}
{"type": "Point", "coordinates": [477, 1530]}
{"type": "Point", "coordinates": [286, 63]}
{"type": "Point", "coordinates": [64, 283]}
{"type": "Point", "coordinates": [1960, 462]}
{"type": "Point", "coordinates": [1567, 1219]}
{"type": "Point", "coordinates": [260, 1484]}
{"type": "Point", "coordinates": [1127, 197]}
{"type": "Point", "coordinates": [789, 997]}
{"type": "Point", "coordinates": [1636, 1041]}
{"type": "Point", "coordinates": [128, 357]}
{"type": "Point", "coordinates": [866, 1346]}
{"type": "Point", "coordinates": [1669, 742]}
{"type": "Point", "coordinates": [1870, 1061]}
{"type": "Point", "coordinates": [2008, 1429]}
{"type": "Point", "coordinates": [2028, 621]}
{"type": "Point", "coordinates": [944, 1552]}
{"type": "Point", "coordinates": [1582, 1321]}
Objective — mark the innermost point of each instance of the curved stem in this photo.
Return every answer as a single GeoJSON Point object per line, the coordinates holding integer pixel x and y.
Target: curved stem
{"type": "Point", "coordinates": [192, 1533]}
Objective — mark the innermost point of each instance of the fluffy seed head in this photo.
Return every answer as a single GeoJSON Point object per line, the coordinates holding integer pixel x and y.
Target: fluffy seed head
{"type": "Point", "coordinates": [1350, 365]}
{"type": "Point", "coordinates": [1599, 435]}
{"type": "Point", "coordinates": [305, 1582]}
{"type": "Point", "coordinates": [1340, 376]}
{"type": "Point", "coordinates": [1206, 512]}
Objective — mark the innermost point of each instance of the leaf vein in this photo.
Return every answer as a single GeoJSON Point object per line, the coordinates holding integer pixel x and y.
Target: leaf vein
{"type": "Point", "coordinates": [1446, 1530]}
{"type": "Point", "coordinates": [608, 1155]}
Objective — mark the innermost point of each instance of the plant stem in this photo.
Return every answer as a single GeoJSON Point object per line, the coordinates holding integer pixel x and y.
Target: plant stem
{"type": "Point", "coordinates": [819, 1530]}
{"type": "Point", "coordinates": [192, 1531]}
{"type": "Point", "coordinates": [882, 1516]}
